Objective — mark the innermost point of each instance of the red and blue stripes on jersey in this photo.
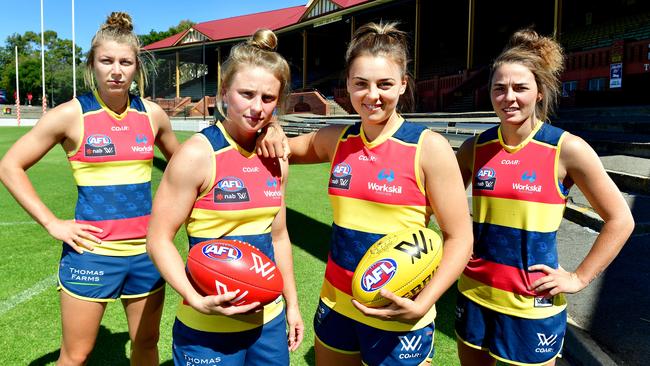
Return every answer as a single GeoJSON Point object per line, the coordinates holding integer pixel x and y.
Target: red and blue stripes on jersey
{"type": "Point", "coordinates": [518, 204]}
{"type": "Point", "coordinates": [375, 188]}
{"type": "Point", "coordinates": [112, 169]}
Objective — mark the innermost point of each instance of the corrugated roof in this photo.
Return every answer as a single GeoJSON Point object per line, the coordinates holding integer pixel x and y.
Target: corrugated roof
{"type": "Point", "coordinates": [246, 25]}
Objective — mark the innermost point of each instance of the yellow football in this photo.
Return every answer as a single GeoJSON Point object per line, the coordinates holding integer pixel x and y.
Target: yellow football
{"type": "Point", "coordinates": [401, 262]}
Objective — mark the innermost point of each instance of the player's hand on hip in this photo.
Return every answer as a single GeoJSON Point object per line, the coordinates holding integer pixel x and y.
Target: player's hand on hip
{"type": "Point", "coordinates": [77, 236]}
{"type": "Point", "coordinates": [400, 308]}
{"type": "Point", "coordinates": [556, 280]}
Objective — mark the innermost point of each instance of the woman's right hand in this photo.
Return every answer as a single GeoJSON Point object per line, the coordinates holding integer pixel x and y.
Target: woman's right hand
{"type": "Point", "coordinates": [220, 304]}
{"type": "Point", "coordinates": [78, 236]}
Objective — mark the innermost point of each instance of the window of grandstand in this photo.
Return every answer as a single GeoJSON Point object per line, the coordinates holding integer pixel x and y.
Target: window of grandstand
{"type": "Point", "coordinates": [597, 84]}
{"type": "Point", "coordinates": [569, 88]}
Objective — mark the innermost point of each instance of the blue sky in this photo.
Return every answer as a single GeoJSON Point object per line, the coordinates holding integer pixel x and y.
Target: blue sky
{"type": "Point", "coordinates": [20, 16]}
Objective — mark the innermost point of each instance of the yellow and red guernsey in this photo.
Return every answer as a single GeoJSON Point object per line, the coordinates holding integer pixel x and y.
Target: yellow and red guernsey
{"type": "Point", "coordinates": [375, 188]}
{"type": "Point", "coordinates": [112, 169]}
{"type": "Point", "coordinates": [240, 204]}
{"type": "Point", "coordinates": [518, 204]}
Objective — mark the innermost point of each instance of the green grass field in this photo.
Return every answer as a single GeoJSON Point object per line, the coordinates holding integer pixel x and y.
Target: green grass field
{"type": "Point", "coordinates": [29, 306]}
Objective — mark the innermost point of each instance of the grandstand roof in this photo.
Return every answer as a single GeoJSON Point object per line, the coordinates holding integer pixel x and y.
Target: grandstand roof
{"type": "Point", "coordinates": [245, 25]}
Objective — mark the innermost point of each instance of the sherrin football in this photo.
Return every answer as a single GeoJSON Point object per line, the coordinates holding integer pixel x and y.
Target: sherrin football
{"type": "Point", "coordinates": [401, 262]}
{"type": "Point", "coordinates": [219, 266]}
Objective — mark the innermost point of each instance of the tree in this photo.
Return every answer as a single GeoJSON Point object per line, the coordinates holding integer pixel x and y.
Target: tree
{"type": "Point", "coordinates": [58, 65]}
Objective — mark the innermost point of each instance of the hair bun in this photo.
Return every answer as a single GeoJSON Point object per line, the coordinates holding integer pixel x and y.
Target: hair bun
{"type": "Point", "coordinates": [119, 21]}
{"type": "Point", "coordinates": [548, 49]}
{"type": "Point", "coordinates": [264, 39]}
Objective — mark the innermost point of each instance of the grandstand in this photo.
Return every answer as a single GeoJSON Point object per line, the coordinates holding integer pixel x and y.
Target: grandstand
{"type": "Point", "coordinates": [451, 45]}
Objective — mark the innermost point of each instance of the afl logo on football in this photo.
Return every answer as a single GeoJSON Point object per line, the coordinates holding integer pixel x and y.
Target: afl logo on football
{"type": "Point", "coordinates": [486, 173]}
{"type": "Point", "coordinates": [98, 140]}
{"type": "Point", "coordinates": [342, 170]}
{"type": "Point", "coordinates": [222, 252]}
{"type": "Point", "coordinates": [378, 274]}
{"type": "Point", "coordinates": [231, 184]}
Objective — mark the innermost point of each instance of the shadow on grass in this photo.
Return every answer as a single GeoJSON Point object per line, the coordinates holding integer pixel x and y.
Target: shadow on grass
{"type": "Point", "coordinates": [159, 163]}
{"type": "Point", "coordinates": [109, 350]}
{"type": "Point", "coordinates": [310, 235]}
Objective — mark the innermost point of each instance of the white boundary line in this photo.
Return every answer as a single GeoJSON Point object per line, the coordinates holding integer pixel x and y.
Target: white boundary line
{"type": "Point", "coordinates": [18, 299]}
{"type": "Point", "coordinates": [10, 223]}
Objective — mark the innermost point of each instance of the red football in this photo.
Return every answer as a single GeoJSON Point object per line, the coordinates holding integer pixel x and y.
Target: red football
{"type": "Point", "coordinates": [220, 266]}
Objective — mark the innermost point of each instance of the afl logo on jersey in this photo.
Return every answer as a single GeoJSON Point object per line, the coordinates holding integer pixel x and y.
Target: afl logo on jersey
{"type": "Point", "coordinates": [231, 184]}
{"type": "Point", "coordinates": [99, 145]}
{"type": "Point", "coordinates": [341, 176]}
{"type": "Point", "coordinates": [378, 274]}
{"type": "Point", "coordinates": [222, 252]}
{"type": "Point", "coordinates": [229, 190]}
{"type": "Point", "coordinates": [98, 140]}
{"type": "Point", "coordinates": [486, 173]}
{"type": "Point", "coordinates": [486, 178]}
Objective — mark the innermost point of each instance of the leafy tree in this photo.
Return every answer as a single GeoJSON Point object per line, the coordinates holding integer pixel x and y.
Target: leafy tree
{"type": "Point", "coordinates": [58, 66]}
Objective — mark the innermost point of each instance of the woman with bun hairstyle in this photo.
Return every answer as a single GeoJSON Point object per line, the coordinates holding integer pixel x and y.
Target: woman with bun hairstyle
{"type": "Point", "coordinates": [108, 136]}
{"type": "Point", "coordinates": [209, 329]}
{"type": "Point", "coordinates": [511, 305]}
{"type": "Point", "coordinates": [400, 173]}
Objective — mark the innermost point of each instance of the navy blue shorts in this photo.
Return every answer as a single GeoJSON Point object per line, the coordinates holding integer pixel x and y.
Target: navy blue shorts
{"type": "Point", "coordinates": [104, 278]}
{"type": "Point", "coordinates": [509, 338]}
{"type": "Point", "coordinates": [265, 345]}
{"type": "Point", "coordinates": [377, 347]}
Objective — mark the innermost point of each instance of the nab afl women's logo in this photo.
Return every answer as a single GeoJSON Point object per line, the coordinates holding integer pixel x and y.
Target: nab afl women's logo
{"type": "Point", "coordinates": [378, 274]}
{"type": "Point", "coordinates": [486, 179]}
{"type": "Point", "coordinates": [222, 252]}
{"type": "Point", "coordinates": [99, 145]}
{"type": "Point", "coordinates": [341, 176]}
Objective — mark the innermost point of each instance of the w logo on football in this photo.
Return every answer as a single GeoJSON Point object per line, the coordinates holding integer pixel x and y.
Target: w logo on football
{"type": "Point", "coordinates": [265, 268]}
{"type": "Point", "coordinates": [222, 289]}
{"type": "Point", "coordinates": [417, 247]}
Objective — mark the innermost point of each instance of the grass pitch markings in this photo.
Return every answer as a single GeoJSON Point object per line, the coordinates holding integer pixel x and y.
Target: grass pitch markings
{"type": "Point", "coordinates": [20, 298]}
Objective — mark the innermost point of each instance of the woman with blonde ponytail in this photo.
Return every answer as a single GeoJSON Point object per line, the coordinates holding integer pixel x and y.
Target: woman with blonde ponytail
{"type": "Point", "coordinates": [511, 305]}
{"type": "Point", "coordinates": [108, 135]}
{"type": "Point", "coordinates": [209, 330]}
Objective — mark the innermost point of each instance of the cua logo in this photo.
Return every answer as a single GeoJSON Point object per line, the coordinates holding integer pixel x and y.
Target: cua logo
{"type": "Point", "coordinates": [485, 174]}
{"type": "Point", "coordinates": [222, 252]}
{"type": "Point", "coordinates": [342, 170]}
{"type": "Point", "coordinates": [231, 184]}
{"type": "Point", "coordinates": [378, 274]}
{"type": "Point", "coordinates": [98, 140]}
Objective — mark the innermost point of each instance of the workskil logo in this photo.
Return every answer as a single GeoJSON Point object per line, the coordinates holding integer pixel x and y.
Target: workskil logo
{"type": "Point", "coordinates": [387, 176]}
{"type": "Point", "coordinates": [529, 177]}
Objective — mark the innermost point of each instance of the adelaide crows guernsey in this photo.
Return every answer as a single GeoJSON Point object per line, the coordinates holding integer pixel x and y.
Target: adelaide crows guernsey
{"type": "Point", "coordinates": [241, 203]}
{"type": "Point", "coordinates": [375, 188]}
{"type": "Point", "coordinates": [518, 203]}
{"type": "Point", "coordinates": [112, 169]}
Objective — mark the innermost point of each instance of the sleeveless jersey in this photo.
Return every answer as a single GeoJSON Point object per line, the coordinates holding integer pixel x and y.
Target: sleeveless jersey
{"type": "Point", "coordinates": [112, 169]}
{"type": "Point", "coordinates": [518, 204]}
{"type": "Point", "coordinates": [241, 203]}
{"type": "Point", "coordinates": [375, 189]}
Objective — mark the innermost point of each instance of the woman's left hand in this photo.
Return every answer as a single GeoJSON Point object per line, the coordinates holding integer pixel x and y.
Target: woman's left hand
{"type": "Point", "coordinates": [400, 308]}
{"type": "Point", "coordinates": [296, 328]}
{"type": "Point", "coordinates": [556, 280]}
{"type": "Point", "coordinates": [272, 142]}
